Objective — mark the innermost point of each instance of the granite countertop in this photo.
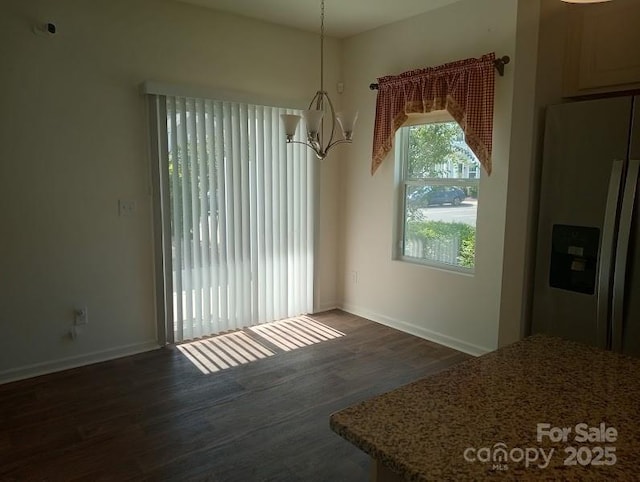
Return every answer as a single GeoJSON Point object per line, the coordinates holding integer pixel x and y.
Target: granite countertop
{"type": "Point", "coordinates": [422, 431]}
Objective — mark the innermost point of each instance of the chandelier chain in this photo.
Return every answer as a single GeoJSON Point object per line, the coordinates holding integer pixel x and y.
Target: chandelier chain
{"type": "Point", "coordinates": [322, 46]}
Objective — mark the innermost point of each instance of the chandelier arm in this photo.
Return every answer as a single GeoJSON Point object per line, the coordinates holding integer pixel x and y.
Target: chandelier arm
{"type": "Point", "coordinates": [333, 120]}
{"type": "Point", "coordinates": [317, 99]}
{"type": "Point", "coordinates": [300, 142]}
{"type": "Point", "coordinates": [339, 141]}
{"type": "Point", "coordinates": [319, 154]}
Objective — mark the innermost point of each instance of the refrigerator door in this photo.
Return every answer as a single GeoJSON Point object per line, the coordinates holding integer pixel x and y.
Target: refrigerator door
{"type": "Point", "coordinates": [631, 325]}
{"type": "Point", "coordinates": [585, 145]}
{"type": "Point", "coordinates": [622, 255]}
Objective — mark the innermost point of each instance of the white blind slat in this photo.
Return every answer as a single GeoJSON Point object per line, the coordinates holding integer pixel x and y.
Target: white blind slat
{"type": "Point", "coordinates": [184, 168]}
{"type": "Point", "coordinates": [269, 226]}
{"type": "Point", "coordinates": [205, 243]}
{"type": "Point", "coordinates": [176, 218]}
{"type": "Point", "coordinates": [261, 272]}
{"type": "Point", "coordinates": [221, 177]}
{"type": "Point", "coordinates": [253, 215]}
{"type": "Point", "coordinates": [229, 208]}
{"type": "Point", "coordinates": [283, 244]}
{"type": "Point", "coordinates": [196, 227]}
{"type": "Point", "coordinates": [212, 166]}
{"type": "Point", "coordinates": [245, 147]}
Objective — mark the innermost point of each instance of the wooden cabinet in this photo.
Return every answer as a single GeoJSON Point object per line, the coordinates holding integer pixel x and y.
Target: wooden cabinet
{"type": "Point", "coordinates": [603, 48]}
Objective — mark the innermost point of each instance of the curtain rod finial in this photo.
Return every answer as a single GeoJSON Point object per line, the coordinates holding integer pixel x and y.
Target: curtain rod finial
{"type": "Point", "coordinates": [500, 63]}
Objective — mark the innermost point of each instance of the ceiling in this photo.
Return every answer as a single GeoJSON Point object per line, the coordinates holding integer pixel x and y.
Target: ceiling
{"type": "Point", "coordinates": [343, 18]}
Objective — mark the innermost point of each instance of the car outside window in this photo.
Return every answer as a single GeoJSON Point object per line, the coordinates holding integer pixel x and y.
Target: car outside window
{"type": "Point", "coordinates": [438, 196]}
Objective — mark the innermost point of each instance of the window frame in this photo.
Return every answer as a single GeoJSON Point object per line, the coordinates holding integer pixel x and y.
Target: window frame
{"type": "Point", "coordinates": [402, 183]}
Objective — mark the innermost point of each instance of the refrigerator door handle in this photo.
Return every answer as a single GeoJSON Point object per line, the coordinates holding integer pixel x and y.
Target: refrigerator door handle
{"type": "Point", "coordinates": [622, 251]}
{"type": "Point", "coordinates": [606, 254]}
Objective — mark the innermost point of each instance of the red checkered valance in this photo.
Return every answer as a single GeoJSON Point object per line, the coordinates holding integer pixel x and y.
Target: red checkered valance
{"type": "Point", "coordinates": [464, 88]}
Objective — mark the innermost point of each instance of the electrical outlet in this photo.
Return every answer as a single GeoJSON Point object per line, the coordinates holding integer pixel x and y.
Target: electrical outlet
{"type": "Point", "coordinates": [126, 207]}
{"type": "Point", "coordinates": [81, 316]}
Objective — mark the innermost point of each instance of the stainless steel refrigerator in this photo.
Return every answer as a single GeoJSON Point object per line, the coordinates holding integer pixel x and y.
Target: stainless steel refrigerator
{"type": "Point", "coordinates": [587, 278]}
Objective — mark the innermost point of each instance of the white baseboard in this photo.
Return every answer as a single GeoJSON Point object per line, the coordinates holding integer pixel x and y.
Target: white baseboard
{"type": "Point", "coordinates": [419, 331]}
{"type": "Point", "coordinates": [326, 306]}
{"type": "Point", "coordinates": [29, 371]}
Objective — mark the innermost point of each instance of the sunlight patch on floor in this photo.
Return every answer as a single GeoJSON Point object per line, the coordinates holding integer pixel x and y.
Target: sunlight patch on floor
{"type": "Point", "coordinates": [295, 333]}
{"type": "Point", "coordinates": [228, 350]}
{"type": "Point", "coordinates": [210, 355]}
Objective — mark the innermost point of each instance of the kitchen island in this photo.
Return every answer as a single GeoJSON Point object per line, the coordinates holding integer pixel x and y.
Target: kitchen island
{"type": "Point", "coordinates": [542, 408]}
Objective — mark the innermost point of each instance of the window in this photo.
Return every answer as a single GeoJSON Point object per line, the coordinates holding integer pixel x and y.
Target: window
{"type": "Point", "coordinates": [438, 190]}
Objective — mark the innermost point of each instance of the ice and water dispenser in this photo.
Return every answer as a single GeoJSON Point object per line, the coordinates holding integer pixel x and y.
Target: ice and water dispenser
{"type": "Point", "coordinates": [574, 258]}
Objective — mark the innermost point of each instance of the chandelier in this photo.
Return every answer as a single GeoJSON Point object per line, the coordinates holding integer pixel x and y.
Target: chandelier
{"type": "Point", "coordinates": [319, 109]}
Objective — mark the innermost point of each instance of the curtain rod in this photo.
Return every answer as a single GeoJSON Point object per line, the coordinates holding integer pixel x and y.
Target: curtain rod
{"type": "Point", "coordinates": [497, 63]}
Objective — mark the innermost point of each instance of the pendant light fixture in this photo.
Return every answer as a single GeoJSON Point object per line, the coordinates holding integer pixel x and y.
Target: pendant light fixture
{"type": "Point", "coordinates": [319, 109]}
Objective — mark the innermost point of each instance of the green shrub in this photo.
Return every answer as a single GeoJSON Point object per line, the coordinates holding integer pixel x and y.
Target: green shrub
{"type": "Point", "coordinates": [467, 253]}
{"type": "Point", "coordinates": [422, 230]}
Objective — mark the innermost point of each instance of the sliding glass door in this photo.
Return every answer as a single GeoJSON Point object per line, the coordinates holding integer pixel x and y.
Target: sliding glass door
{"type": "Point", "coordinates": [238, 216]}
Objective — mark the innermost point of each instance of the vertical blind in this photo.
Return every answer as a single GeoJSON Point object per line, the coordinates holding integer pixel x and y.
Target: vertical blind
{"type": "Point", "coordinates": [242, 217]}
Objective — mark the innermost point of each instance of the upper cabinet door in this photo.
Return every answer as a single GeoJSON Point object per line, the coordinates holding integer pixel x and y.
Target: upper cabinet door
{"type": "Point", "coordinates": [603, 48]}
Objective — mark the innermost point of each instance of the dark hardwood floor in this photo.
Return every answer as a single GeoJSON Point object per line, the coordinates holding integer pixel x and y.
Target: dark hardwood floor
{"type": "Point", "coordinates": [155, 416]}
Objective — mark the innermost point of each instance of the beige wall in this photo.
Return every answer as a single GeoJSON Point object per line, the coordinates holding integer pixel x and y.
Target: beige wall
{"type": "Point", "coordinates": [456, 309]}
{"type": "Point", "coordinates": [73, 140]}
{"type": "Point", "coordinates": [518, 245]}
